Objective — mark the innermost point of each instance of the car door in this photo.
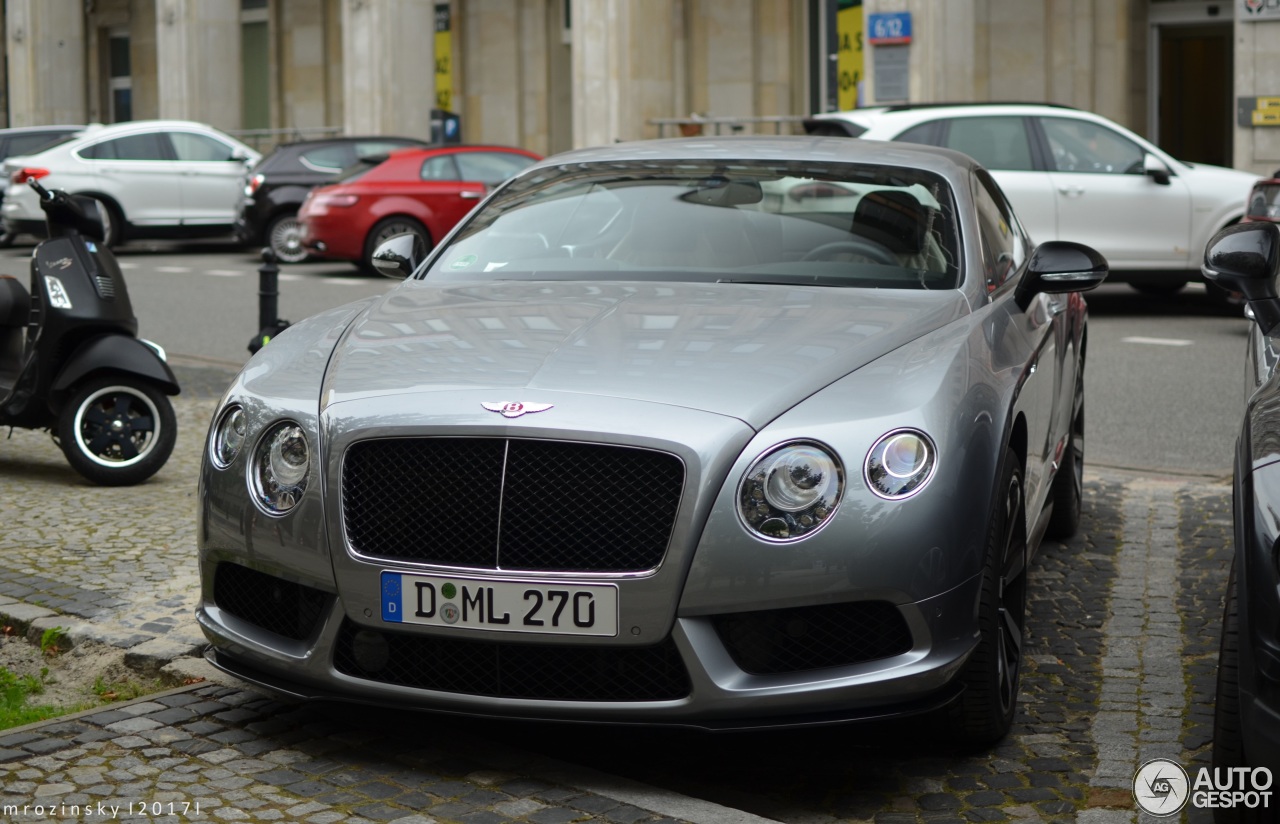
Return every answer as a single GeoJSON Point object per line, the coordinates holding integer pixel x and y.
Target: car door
{"type": "Point", "coordinates": [137, 172]}
{"type": "Point", "coordinates": [1024, 340]}
{"type": "Point", "coordinates": [212, 178]}
{"type": "Point", "coordinates": [1105, 200]}
{"type": "Point", "coordinates": [1003, 145]}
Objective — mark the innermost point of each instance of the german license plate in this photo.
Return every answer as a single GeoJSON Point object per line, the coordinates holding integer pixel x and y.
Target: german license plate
{"type": "Point", "coordinates": [501, 605]}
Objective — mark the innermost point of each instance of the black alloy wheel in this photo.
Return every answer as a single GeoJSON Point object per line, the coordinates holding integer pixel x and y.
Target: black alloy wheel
{"type": "Point", "coordinates": [1068, 485]}
{"type": "Point", "coordinates": [116, 430]}
{"type": "Point", "coordinates": [983, 714]}
{"type": "Point", "coordinates": [1228, 735]}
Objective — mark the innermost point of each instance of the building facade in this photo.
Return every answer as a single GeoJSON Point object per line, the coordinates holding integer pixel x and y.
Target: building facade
{"type": "Point", "coordinates": [1198, 77]}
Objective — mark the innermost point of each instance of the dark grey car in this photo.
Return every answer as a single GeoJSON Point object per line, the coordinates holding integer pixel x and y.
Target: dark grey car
{"type": "Point", "coordinates": [741, 432]}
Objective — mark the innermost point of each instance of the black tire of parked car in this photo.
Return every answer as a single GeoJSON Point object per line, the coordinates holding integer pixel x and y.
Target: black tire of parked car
{"type": "Point", "coordinates": [113, 221]}
{"type": "Point", "coordinates": [1228, 740]}
{"type": "Point", "coordinates": [284, 236]}
{"type": "Point", "coordinates": [1068, 485]}
{"type": "Point", "coordinates": [104, 412]}
{"type": "Point", "coordinates": [983, 713]}
{"type": "Point", "coordinates": [387, 228]}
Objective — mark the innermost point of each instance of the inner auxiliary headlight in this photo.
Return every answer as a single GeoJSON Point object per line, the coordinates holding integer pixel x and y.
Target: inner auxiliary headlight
{"type": "Point", "coordinates": [900, 464]}
{"type": "Point", "coordinates": [228, 436]}
{"type": "Point", "coordinates": [280, 465]}
{"type": "Point", "coordinates": [791, 491]}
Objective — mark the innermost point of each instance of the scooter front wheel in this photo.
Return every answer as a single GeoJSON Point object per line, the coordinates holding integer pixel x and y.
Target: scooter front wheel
{"type": "Point", "coordinates": [116, 430]}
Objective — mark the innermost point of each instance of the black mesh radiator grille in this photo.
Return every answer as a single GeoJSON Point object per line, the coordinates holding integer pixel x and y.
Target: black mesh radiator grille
{"type": "Point", "coordinates": [810, 638]}
{"type": "Point", "coordinates": [511, 504]}
{"type": "Point", "coordinates": [501, 670]}
{"type": "Point", "coordinates": [276, 605]}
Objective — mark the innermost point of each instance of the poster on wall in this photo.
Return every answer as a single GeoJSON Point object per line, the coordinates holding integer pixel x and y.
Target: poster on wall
{"type": "Point", "coordinates": [1252, 11]}
{"type": "Point", "coordinates": [444, 58]}
{"type": "Point", "coordinates": [849, 30]}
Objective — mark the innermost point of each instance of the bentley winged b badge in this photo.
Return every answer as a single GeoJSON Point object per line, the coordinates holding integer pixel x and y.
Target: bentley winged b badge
{"type": "Point", "coordinates": [514, 409]}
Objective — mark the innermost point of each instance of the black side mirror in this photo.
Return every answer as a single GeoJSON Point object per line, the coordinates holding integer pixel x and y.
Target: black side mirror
{"type": "Point", "coordinates": [397, 257]}
{"type": "Point", "coordinates": [1245, 258]}
{"type": "Point", "coordinates": [1061, 266]}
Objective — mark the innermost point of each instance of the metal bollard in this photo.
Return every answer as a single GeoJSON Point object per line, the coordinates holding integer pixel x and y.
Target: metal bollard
{"type": "Point", "coordinates": [269, 325]}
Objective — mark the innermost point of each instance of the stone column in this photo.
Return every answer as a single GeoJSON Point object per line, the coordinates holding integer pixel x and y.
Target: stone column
{"type": "Point", "coordinates": [198, 55]}
{"type": "Point", "coordinates": [388, 55]}
{"type": "Point", "coordinates": [46, 48]}
{"type": "Point", "coordinates": [623, 65]}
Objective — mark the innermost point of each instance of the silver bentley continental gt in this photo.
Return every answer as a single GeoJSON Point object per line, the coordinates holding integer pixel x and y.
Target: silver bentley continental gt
{"type": "Point", "coordinates": [724, 433]}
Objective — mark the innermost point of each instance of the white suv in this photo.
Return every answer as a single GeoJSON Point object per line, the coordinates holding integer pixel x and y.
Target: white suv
{"type": "Point", "coordinates": [1073, 175]}
{"type": "Point", "coordinates": [154, 178]}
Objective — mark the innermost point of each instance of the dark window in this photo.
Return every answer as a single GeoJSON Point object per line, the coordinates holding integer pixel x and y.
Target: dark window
{"type": "Point", "coordinates": [995, 142]}
{"type": "Point", "coordinates": [490, 168]}
{"type": "Point", "coordinates": [330, 159]}
{"type": "Point", "coordinates": [147, 146]}
{"type": "Point", "coordinates": [190, 146]}
{"type": "Point", "coordinates": [1003, 249]}
{"type": "Point", "coordinates": [21, 144]}
{"type": "Point", "coordinates": [926, 133]}
{"type": "Point", "coordinates": [440, 167]}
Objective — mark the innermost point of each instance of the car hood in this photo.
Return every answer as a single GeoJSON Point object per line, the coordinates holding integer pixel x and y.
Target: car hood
{"type": "Point", "coordinates": [745, 351]}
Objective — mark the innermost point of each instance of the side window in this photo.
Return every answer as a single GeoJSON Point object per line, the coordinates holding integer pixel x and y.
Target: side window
{"type": "Point", "coordinates": [440, 167]}
{"type": "Point", "coordinates": [926, 133]}
{"type": "Point", "coordinates": [995, 142]}
{"type": "Point", "coordinates": [328, 159]}
{"type": "Point", "coordinates": [1003, 247]}
{"type": "Point", "coordinates": [1083, 146]}
{"type": "Point", "coordinates": [191, 146]}
{"type": "Point", "coordinates": [490, 168]}
{"type": "Point", "coordinates": [149, 146]}
{"type": "Point", "coordinates": [21, 144]}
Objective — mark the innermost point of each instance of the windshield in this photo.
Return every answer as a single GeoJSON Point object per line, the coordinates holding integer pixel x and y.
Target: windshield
{"type": "Point", "coordinates": [828, 224]}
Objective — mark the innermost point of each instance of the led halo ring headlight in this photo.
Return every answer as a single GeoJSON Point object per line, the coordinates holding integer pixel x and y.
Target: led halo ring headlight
{"type": "Point", "coordinates": [791, 491]}
{"type": "Point", "coordinates": [281, 464]}
{"type": "Point", "coordinates": [900, 464]}
{"type": "Point", "coordinates": [228, 436]}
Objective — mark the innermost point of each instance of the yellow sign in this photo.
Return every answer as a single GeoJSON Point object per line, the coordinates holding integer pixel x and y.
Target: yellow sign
{"type": "Point", "coordinates": [444, 59]}
{"type": "Point", "coordinates": [1266, 111]}
{"type": "Point", "coordinates": [849, 29]}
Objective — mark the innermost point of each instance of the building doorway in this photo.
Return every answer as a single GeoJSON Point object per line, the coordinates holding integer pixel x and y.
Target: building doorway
{"type": "Point", "coordinates": [1195, 110]}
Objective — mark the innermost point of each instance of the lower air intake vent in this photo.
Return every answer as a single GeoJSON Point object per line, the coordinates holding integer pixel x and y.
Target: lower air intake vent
{"type": "Point", "coordinates": [808, 638]}
{"type": "Point", "coordinates": [276, 605]}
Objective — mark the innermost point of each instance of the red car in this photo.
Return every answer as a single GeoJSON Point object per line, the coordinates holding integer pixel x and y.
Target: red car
{"type": "Point", "coordinates": [422, 191]}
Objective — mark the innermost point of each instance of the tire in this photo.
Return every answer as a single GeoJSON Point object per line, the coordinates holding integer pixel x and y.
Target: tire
{"type": "Point", "coordinates": [1068, 485]}
{"type": "Point", "coordinates": [112, 222]}
{"type": "Point", "coordinates": [387, 228]}
{"type": "Point", "coordinates": [1228, 739]}
{"type": "Point", "coordinates": [7, 239]}
{"type": "Point", "coordinates": [1166, 288]}
{"type": "Point", "coordinates": [284, 236]}
{"type": "Point", "coordinates": [983, 713]}
{"type": "Point", "coordinates": [116, 430]}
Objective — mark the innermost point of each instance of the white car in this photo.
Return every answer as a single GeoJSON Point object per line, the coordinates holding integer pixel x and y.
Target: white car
{"type": "Point", "coordinates": [1074, 175]}
{"type": "Point", "coordinates": [154, 178]}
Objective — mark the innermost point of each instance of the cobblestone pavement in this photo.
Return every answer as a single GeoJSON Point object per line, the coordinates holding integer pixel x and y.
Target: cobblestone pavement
{"type": "Point", "coordinates": [1122, 645]}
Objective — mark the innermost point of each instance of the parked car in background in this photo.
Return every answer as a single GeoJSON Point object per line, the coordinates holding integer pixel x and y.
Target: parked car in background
{"type": "Point", "coordinates": [1246, 728]}
{"type": "Point", "coordinates": [22, 140]}
{"type": "Point", "coordinates": [661, 434]}
{"type": "Point", "coordinates": [422, 192]}
{"type": "Point", "coordinates": [1074, 175]}
{"type": "Point", "coordinates": [1264, 200]}
{"type": "Point", "coordinates": [275, 188]}
{"type": "Point", "coordinates": [153, 178]}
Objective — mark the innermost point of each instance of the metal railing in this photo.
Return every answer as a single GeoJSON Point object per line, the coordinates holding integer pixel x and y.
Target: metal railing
{"type": "Point", "coordinates": [265, 139]}
{"type": "Point", "coordinates": [700, 124]}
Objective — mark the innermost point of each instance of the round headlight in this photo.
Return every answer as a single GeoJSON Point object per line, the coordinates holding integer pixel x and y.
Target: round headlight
{"type": "Point", "coordinates": [228, 436]}
{"type": "Point", "coordinates": [900, 464]}
{"type": "Point", "coordinates": [791, 491]}
{"type": "Point", "coordinates": [280, 468]}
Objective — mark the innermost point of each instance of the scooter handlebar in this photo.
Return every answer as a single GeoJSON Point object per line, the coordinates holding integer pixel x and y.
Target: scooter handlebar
{"type": "Point", "coordinates": [44, 193]}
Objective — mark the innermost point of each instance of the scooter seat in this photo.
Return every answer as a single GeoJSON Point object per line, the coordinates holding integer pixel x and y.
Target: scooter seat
{"type": "Point", "coordinates": [15, 303]}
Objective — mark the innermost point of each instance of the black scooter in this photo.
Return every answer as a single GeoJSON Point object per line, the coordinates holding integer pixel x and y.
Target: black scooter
{"type": "Point", "coordinates": [70, 358]}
